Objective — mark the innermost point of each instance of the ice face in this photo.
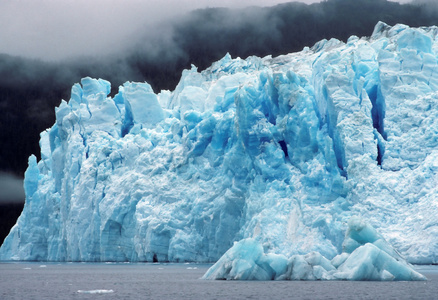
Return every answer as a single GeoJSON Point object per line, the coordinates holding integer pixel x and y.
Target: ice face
{"type": "Point", "coordinates": [366, 256]}
{"type": "Point", "coordinates": [283, 150]}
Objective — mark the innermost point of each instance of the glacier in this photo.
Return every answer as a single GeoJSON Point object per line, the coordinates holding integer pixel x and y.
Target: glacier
{"type": "Point", "coordinates": [278, 151]}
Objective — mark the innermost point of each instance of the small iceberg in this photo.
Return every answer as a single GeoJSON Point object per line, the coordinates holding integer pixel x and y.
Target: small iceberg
{"type": "Point", "coordinates": [96, 292]}
{"type": "Point", "coordinates": [366, 256]}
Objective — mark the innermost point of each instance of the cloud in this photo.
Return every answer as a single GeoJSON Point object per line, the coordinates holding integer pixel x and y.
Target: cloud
{"type": "Point", "coordinates": [54, 29]}
{"type": "Point", "coordinates": [11, 188]}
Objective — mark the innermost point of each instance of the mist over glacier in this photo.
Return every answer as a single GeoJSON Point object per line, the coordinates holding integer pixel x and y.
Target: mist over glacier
{"type": "Point", "coordinates": [283, 149]}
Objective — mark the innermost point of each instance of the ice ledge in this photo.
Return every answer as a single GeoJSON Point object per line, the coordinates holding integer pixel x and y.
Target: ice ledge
{"type": "Point", "coordinates": [366, 256]}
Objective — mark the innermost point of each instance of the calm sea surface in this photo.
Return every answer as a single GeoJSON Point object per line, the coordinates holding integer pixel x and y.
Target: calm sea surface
{"type": "Point", "coordinates": [181, 281]}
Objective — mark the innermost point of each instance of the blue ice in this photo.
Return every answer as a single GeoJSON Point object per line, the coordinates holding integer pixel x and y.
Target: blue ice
{"type": "Point", "coordinates": [366, 256]}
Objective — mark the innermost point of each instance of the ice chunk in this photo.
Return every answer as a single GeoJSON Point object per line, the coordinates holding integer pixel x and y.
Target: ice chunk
{"type": "Point", "coordinates": [360, 233]}
{"type": "Point", "coordinates": [369, 262]}
{"type": "Point", "coordinates": [141, 103]}
{"type": "Point", "coordinates": [95, 291]}
{"type": "Point", "coordinates": [247, 261]}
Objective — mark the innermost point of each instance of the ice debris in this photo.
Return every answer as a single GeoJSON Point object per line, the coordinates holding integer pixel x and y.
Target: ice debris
{"type": "Point", "coordinates": [95, 291]}
{"type": "Point", "coordinates": [284, 150]}
{"type": "Point", "coordinates": [366, 256]}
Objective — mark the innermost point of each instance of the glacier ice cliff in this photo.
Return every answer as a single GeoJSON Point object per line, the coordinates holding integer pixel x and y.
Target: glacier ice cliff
{"type": "Point", "coordinates": [285, 150]}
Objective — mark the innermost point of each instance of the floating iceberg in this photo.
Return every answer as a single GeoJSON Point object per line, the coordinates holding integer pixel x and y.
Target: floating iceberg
{"type": "Point", "coordinates": [95, 291]}
{"type": "Point", "coordinates": [366, 256]}
{"type": "Point", "coordinates": [280, 150]}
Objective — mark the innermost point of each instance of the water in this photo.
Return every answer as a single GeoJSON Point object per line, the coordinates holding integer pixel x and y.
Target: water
{"type": "Point", "coordinates": [24, 280]}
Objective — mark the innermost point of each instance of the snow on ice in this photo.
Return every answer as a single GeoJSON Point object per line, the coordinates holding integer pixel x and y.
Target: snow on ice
{"type": "Point", "coordinates": [279, 152]}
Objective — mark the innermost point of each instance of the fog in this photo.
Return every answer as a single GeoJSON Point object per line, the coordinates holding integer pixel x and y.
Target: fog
{"type": "Point", "coordinates": [11, 188]}
{"type": "Point", "coordinates": [54, 29]}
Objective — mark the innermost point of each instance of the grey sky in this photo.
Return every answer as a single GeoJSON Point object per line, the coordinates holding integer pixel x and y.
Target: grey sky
{"type": "Point", "coordinates": [57, 29]}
